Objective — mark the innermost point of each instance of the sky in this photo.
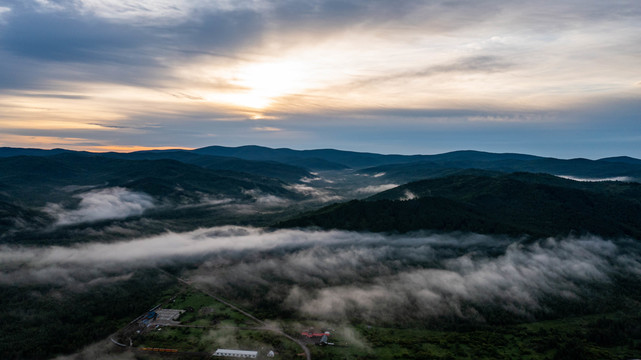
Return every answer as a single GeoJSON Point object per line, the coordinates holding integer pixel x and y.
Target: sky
{"type": "Point", "coordinates": [555, 78]}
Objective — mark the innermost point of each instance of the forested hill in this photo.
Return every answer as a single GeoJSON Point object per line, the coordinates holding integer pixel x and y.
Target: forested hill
{"type": "Point", "coordinates": [517, 204]}
{"type": "Point", "coordinates": [37, 180]}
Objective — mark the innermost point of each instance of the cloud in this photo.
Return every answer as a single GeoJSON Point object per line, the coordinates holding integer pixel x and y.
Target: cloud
{"type": "Point", "coordinates": [103, 204]}
{"type": "Point", "coordinates": [3, 11]}
{"type": "Point", "coordinates": [55, 96]}
{"type": "Point", "coordinates": [262, 200]}
{"type": "Point", "coordinates": [453, 62]}
{"type": "Point", "coordinates": [81, 263]}
{"type": "Point", "coordinates": [266, 128]}
{"type": "Point", "coordinates": [310, 179]}
{"type": "Point", "coordinates": [207, 200]}
{"type": "Point", "coordinates": [517, 281]}
{"type": "Point", "coordinates": [474, 64]}
{"type": "Point", "coordinates": [337, 275]}
{"type": "Point", "coordinates": [271, 200]}
{"type": "Point", "coordinates": [154, 250]}
{"type": "Point", "coordinates": [371, 189]}
{"type": "Point", "coordinates": [47, 36]}
{"type": "Point", "coordinates": [422, 277]}
{"type": "Point", "coordinates": [317, 193]}
{"type": "Point", "coordinates": [616, 178]}
{"type": "Point", "coordinates": [108, 126]}
{"type": "Point", "coordinates": [165, 11]}
{"type": "Point", "coordinates": [408, 195]}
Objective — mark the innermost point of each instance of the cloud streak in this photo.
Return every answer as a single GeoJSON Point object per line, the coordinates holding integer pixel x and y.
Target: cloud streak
{"type": "Point", "coordinates": [317, 193]}
{"type": "Point", "coordinates": [617, 178]}
{"type": "Point", "coordinates": [371, 189]}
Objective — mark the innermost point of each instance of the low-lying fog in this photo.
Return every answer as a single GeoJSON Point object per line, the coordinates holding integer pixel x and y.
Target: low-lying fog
{"type": "Point", "coordinates": [333, 274]}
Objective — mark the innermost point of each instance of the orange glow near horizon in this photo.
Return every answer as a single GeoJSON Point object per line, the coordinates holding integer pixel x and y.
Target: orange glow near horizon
{"type": "Point", "coordinates": [78, 144]}
{"type": "Point", "coordinates": [132, 148]}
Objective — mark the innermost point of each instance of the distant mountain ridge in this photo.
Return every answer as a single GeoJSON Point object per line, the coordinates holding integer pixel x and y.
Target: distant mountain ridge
{"type": "Point", "coordinates": [350, 159]}
{"type": "Point", "coordinates": [12, 151]}
{"type": "Point", "coordinates": [332, 159]}
{"type": "Point", "coordinates": [622, 159]}
{"type": "Point", "coordinates": [285, 163]}
{"type": "Point", "coordinates": [271, 169]}
{"type": "Point", "coordinates": [578, 168]}
{"type": "Point", "coordinates": [325, 159]}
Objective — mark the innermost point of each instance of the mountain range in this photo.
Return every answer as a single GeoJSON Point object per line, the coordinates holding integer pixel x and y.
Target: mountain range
{"type": "Point", "coordinates": [516, 194]}
{"type": "Point", "coordinates": [331, 159]}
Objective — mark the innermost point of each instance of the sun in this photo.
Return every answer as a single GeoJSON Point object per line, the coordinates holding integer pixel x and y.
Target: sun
{"type": "Point", "coordinates": [259, 84]}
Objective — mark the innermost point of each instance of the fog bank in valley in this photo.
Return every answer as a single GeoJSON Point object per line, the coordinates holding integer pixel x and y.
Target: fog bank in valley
{"type": "Point", "coordinates": [102, 204]}
{"type": "Point", "coordinates": [334, 275]}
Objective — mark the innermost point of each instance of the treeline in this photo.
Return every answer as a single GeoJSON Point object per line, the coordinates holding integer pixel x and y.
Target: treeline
{"type": "Point", "coordinates": [42, 321]}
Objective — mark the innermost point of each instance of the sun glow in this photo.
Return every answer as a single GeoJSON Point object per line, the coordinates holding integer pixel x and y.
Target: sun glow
{"type": "Point", "coordinates": [256, 86]}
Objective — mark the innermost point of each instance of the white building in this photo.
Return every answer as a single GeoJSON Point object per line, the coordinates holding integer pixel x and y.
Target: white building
{"type": "Point", "coordinates": [236, 353]}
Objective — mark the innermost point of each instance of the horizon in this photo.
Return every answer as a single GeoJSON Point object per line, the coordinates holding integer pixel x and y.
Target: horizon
{"type": "Point", "coordinates": [313, 149]}
{"type": "Point", "coordinates": [547, 78]}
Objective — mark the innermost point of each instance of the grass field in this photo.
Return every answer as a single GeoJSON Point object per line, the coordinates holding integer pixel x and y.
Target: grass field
{"type": "Point", "coordinates": [615, 335]}
{"type": "Point", "coordinates": [209, 325]}
{"type": "Point", "coordinates": [609, 336]}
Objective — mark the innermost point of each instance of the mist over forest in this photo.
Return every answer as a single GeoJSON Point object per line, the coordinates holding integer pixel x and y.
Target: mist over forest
{"type": "Point", "coordinates": [334, 275]}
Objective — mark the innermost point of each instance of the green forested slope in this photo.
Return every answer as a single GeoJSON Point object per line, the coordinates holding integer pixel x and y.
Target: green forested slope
{"type": "Point", "coordinates": [515, 204]}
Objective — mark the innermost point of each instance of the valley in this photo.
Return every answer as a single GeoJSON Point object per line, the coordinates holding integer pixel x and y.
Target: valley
{"type": "Point", "coordinates": [464, 255]}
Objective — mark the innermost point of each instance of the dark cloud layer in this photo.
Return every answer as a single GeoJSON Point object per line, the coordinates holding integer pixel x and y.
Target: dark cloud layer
{"type": "Point", "coordinates": [67, 38]}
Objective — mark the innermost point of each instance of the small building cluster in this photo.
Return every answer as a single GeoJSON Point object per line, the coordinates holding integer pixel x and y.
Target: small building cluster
{"type": "Point", "coordinates": [236, 353]}
{"type": "Point", "coordinates": [158, 316]}
{"type": "Point", "coordinates": [324, 336]}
